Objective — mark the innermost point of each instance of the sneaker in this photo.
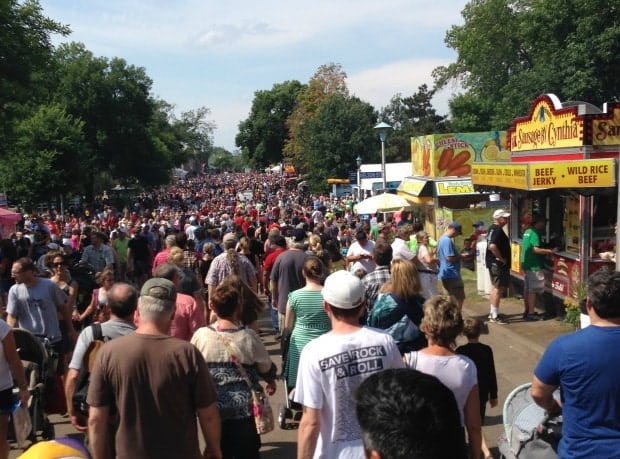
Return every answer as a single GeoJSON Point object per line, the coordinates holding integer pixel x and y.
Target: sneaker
{"type": "Point", "coordinates": [500, 320]}
{"type": "Point", "coordinates": [532, 318]}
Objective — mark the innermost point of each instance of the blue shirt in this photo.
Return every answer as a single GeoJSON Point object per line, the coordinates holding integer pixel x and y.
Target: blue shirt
{"type": "Point", "coordinates": [586, 365]}
{"type": "Point", "coordinates": [446, 248]}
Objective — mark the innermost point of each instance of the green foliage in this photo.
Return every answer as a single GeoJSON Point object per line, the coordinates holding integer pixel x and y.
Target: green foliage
{"type": "Point", "coordinates": [224, 160]}
{"type": "Point", "coordinates": [410, 116]}
{"type": "Point", "coordinates": [265, 131]}
{"type": "Point", "coordinates": [510, 51]}
{"type": "Point", "coordinates": [341, 129]}
{"type": "Point", "coordinates": [327, 81]}
{"type": "Point", "coordinates": [44, 160]}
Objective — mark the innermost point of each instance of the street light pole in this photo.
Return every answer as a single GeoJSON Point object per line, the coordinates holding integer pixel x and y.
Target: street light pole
{"type": "Point", "coordinates": [383, 129]}
{"type": "Point", "coordinates": [358, 161]}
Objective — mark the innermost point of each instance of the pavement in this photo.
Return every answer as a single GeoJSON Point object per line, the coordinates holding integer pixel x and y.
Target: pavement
{"type": "Point", "coordinates": [517, 347]}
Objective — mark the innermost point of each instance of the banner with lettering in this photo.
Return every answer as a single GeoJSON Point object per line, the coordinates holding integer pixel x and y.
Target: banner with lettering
{"type": "Point", "coordinates": [587, 173]}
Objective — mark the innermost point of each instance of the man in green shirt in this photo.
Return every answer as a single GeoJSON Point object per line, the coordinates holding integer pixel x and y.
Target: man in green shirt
{"type": "Point", "coordinates": [533, 263]}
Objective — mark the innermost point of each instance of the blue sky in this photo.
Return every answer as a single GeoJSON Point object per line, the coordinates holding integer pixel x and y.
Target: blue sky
{"type": "Point", "coordinates": [217, 54]}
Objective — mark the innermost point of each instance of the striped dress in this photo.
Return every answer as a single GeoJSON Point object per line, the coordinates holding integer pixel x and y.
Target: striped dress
{"type": "Point", "coordinates": [311, 321]}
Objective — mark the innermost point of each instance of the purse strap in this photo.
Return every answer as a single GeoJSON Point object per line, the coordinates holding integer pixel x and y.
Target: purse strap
{"type": "Point", "coordinates": [226, 342]}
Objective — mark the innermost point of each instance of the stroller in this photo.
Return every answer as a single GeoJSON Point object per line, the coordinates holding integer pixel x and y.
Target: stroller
{"type": "Point", "coordinates": [528, 433]}
{"type": "Point", "coordinates": [289, 412]}
{"type": "Point", "coordinates": [40, 366]}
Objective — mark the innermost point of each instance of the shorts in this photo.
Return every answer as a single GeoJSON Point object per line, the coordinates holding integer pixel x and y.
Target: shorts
{"type": "Point", "coordinates": [535, 281]}
{"type": "Point", "coordinates": [455, 287]}
{"type": "Point", "coordinates": [7, 400]}
{"type": "Point", "coordinates": [500, 276]}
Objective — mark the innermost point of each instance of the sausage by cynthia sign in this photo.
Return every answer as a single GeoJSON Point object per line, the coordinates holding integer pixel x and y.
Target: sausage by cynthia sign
{"type": "Point", "coordinates": [595, 173]}
{"type": "Point", "coordinates": [548, 125]}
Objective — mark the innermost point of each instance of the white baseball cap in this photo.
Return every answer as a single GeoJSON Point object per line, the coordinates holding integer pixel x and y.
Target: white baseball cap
{"type": "Point", "coordinates": [499, 213]}
{"type": "Point", "coordinates": [343, 290]}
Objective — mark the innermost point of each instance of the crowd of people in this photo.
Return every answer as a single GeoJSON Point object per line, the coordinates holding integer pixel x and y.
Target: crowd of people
{"type": "Point", "coordinates": [174, 284]}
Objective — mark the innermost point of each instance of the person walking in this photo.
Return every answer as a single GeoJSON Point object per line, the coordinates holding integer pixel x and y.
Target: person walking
{"type": "Point", "coordinates": [497, 259]}
{"type": "Point", "coordinates": [482, 356]}
{"type": "Point", "coordinates": [442, 323]}
{"type": "Point", "coordinates": [332, 366]}
{"type": "Point", "coordinates": [122, 300]}
{"type": "Point", "coordinates": [228, 349]}
{"type": "Point", "coordinates": [157, 384]}
{"type": "Point", "coordinates": [305, 318]}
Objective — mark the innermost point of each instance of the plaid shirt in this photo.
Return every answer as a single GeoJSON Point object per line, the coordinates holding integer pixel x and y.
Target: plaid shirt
{"type": "Point", "coordinates": [373, 281]}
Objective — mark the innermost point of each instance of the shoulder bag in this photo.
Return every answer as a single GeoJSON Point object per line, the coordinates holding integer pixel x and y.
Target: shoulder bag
{"type": "Point", "coordinates": [261, 408]}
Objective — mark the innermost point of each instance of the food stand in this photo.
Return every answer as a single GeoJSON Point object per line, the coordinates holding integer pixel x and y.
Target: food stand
{"type": "Point", "coordinates": [563, 165]}
{"type": "Point", "coordinates": [440, 188]}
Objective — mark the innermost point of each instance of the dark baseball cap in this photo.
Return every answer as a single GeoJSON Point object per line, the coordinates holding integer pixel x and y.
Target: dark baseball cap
{"type": "Point", "coordinates": [160, 288]}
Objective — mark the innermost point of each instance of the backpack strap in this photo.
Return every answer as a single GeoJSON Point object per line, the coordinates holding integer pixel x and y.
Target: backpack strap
{"type": "Point", "coordinates": [97, 332]}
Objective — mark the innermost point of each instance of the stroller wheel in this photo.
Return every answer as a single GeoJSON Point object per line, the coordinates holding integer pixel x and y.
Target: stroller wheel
{"type": "Point", "coordinates": [48, 432]}
{"type": "Point", "coordinates": [284, 413]}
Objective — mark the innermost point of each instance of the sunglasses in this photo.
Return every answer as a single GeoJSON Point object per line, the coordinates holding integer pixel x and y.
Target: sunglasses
{"type": "Point", "coordinates": [59, 264]}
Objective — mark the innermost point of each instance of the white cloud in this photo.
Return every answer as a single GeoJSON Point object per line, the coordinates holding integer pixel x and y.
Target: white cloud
{"type": "Point", "coordinates": [216, 54]}
{"type": "Point", "coordinates": [378, 85]}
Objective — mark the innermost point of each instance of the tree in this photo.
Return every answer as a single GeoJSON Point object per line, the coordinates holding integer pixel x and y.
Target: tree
{"type": "Point", "coordinates": [509, 52]}
{"type": "Point", "coordinates": [327, 81]}
{"type": "Point", "coordinates": [113, 99]}
{"type": "Point", "coordinates": [44, 161]}
{"type": "Point", "coordinates": [25, 51]}
{"type": "Point", "coordinates": [340, 130]}
{"type": "Point", "coordinates": [25, 47]}
{"type": "Point", "coordinates": [194, 134]}
{"type": "Point", "coordinates": [411, 116]}
{"type": "Point", "coordinates": [265, 131]}
{"type": "Point", "coordinates": [224, 160]}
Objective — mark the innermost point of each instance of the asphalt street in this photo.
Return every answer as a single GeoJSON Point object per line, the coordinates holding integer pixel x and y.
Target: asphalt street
{"type": "Point", "coordinates": [517, 347]}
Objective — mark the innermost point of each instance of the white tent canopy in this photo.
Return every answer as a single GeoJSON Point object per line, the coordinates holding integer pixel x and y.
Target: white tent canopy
{"type": "Point", "coordinates": [386, 202]}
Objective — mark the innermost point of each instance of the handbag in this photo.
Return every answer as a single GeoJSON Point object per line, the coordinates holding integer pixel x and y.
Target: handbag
{"type": "Point", "coordinates": [261, 408]}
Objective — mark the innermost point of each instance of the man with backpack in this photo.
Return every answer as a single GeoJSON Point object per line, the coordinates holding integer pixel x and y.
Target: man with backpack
{"type": "Point", "coordinates": [122, 301]}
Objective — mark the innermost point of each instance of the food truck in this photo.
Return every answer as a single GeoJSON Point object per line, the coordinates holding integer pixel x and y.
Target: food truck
{"type": "Point", "coordinates": [440, 188]}
{"type": "Point", "coordinates": [563, 165]}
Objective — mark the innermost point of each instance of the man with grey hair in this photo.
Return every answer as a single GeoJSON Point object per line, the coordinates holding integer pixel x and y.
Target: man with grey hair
{"type": "Point", "coordinates": [158, 385]}
{"type": "Point", "coordinates": [162, 257]}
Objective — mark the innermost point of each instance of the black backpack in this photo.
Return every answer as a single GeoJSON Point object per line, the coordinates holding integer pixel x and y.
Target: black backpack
{"type": "Point", "coordinates": [83, 379]}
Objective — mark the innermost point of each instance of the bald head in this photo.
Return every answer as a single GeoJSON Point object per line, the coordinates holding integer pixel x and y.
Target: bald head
{"type": "Point", "coordinates": [123, 300]}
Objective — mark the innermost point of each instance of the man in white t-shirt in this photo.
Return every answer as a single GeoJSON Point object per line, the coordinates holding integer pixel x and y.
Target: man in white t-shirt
{"type": "Point", "coordinates": [359, 255]}
{"type": "Point", "coordinates": [332, 366]}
